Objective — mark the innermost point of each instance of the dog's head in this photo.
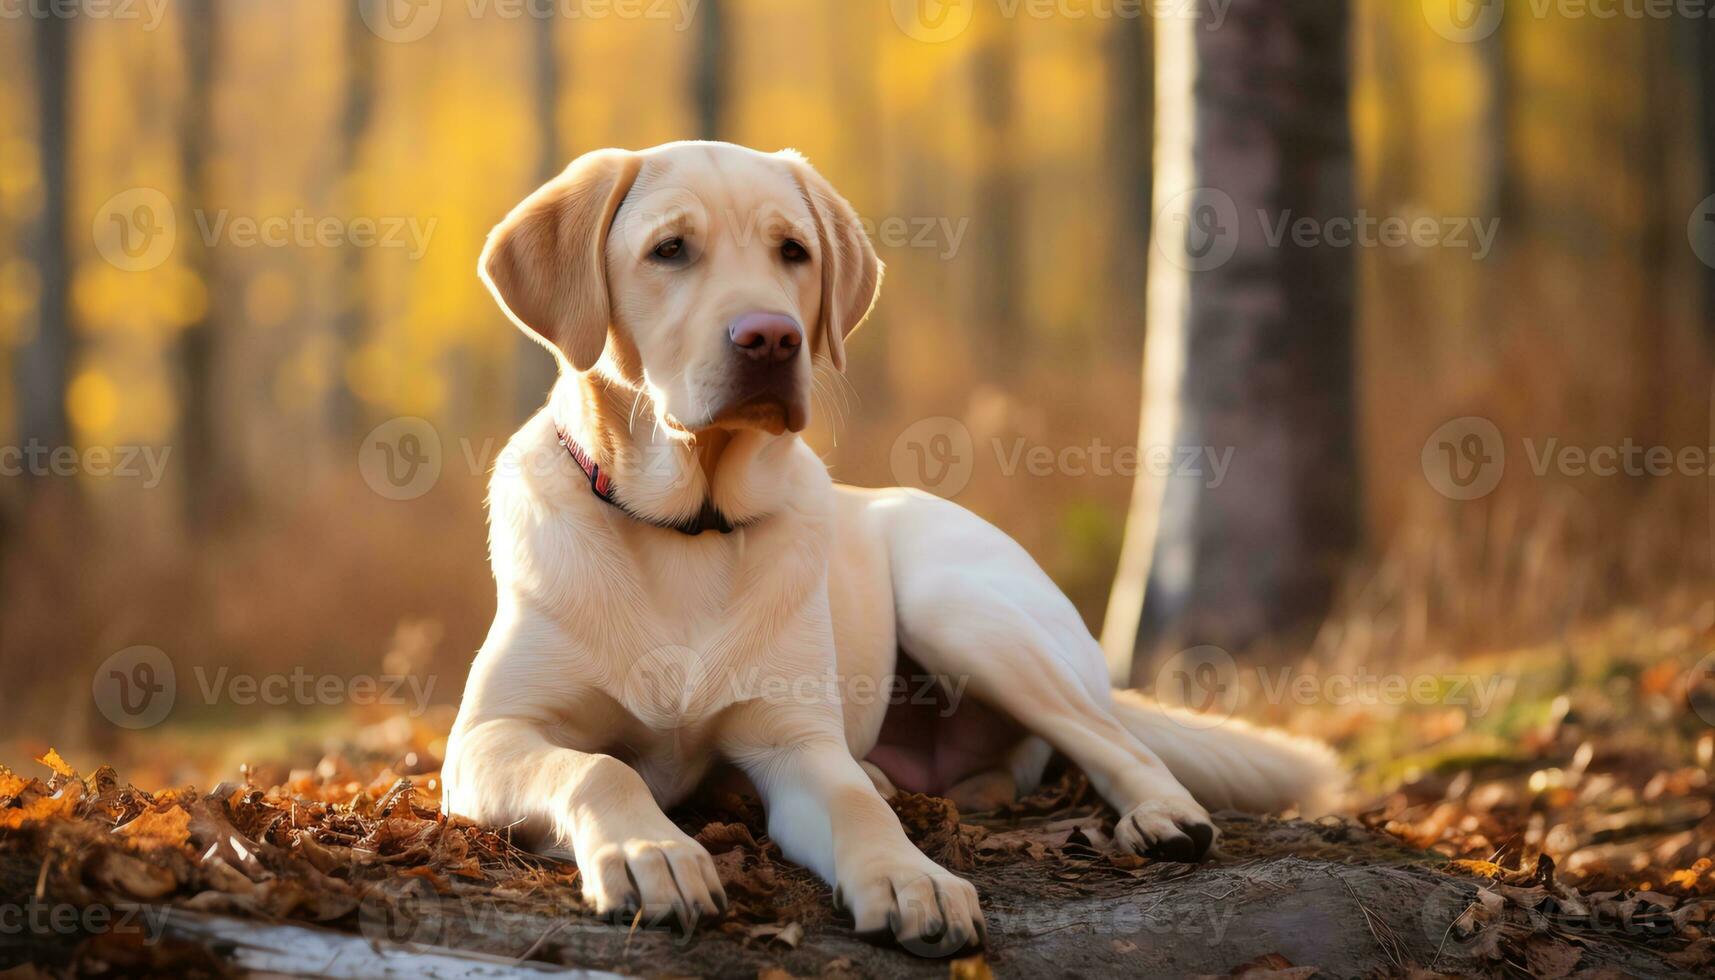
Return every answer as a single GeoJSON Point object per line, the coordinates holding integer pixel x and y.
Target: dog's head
{"type": "Point", "coordinates": [706, 274]}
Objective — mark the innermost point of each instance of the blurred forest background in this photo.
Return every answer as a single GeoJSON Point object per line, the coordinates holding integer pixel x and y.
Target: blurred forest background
{"type": "Point", "coordinates": [1007, 169]}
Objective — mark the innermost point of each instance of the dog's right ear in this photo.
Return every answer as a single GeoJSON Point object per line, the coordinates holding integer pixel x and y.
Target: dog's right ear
{"type": "Point", "coordinates": [546, 262]}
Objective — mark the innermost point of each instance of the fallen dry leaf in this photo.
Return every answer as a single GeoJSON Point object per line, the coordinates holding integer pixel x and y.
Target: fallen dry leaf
{"type": "Point", "coordinates": [970, 968]}
{"type": "Point", "coordinates": [53, 761]}
{"type": "Point", "coordinates": [166, 827]}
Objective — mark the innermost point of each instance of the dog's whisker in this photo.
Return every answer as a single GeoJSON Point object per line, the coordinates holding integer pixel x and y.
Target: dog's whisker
{"type": "Point", "coordinates": [831, 394]}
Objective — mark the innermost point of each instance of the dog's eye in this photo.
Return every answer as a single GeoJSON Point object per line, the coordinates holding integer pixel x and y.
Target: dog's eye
{"type": "Point", "coordinates": [794, 251]}
{"type": "Point", "coordinates": [672, 248]}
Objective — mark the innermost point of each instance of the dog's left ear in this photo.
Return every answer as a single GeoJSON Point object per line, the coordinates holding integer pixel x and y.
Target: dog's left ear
{"type": "Point", "coordinates": [851, 272]}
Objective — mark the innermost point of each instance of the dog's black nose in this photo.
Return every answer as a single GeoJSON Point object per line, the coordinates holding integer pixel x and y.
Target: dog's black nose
{"type": "Point", "coordinates": [767, 336]}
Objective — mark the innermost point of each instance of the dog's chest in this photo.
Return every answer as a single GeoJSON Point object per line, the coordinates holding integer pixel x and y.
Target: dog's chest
{"type": "Point", "coordinates": [678, 634]}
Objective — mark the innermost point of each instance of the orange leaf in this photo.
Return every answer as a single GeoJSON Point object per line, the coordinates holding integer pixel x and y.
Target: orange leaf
{"type": "Point", "coordinates": [170, 827]}
{"type": "Point", "coordinates": [53, 761]}
{"type": "Point", "coordinates": [1696, 879]}
{"type": "Point", "coordinates": [428, 874]}
{"type": "Point", "coordinates": [970, 968]}
{"type": "Point", "coordinates": [39, 809]}
{"type": "Point", "coordinates": [1482, 869]}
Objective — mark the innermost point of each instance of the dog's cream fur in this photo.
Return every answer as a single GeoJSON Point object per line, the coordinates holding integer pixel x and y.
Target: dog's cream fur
{"type": "Point", "coordinates": [626, 659]}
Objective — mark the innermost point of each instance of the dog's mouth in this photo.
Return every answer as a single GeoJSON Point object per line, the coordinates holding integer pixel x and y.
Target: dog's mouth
{"type": "Point", "coordinates": [767, 412]}
{"type": "Point", "coordinates": [776, 405]}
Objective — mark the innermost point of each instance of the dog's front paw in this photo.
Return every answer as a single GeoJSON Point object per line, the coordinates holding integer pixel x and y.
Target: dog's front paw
{"type": "Point", "coordinates": [670, 876]}
{"type": "Point", "coordinates": [928, 910]}
{"type": "Point", "coordinates": [1167, 830]}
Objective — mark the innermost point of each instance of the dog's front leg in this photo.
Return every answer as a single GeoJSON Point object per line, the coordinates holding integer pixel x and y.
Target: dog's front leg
{"type": "Point", "coordinates": [825, 813]}
{"type": "Point", "coordinates": [630, 856]}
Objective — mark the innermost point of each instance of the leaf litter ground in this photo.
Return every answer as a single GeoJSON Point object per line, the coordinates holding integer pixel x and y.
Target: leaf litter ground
{"type": "Point", "coordinates": [1572, 836]}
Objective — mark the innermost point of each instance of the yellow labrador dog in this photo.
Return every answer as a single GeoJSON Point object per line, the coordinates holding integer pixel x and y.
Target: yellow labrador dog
{"type": "Point", "coordinates": [681, 585]}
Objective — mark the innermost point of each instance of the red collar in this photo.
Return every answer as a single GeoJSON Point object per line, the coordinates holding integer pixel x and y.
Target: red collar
{"type": "Point", "coordinates": [602, 486]}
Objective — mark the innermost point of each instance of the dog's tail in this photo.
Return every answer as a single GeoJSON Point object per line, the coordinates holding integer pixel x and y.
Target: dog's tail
{"type": "Point", "coordinates": [1230, 765]}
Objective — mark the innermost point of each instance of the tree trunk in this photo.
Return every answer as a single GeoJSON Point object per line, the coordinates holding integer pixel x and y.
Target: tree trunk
{"type": "Point", "coordinates": [352, 288]}
{"type": "Point", "coordinates": [1002, 346]}
{"type": "Point", "coordinates": [708, 73]}
{"type": "Point", "coordinates": [1699, 47]}
{"type": "Point", "coordinates": [212, 474]}
{"type": "Point", "coordinates": [533, 367]}
{"type": "Point", "coordinates": [1501, 190]}
{"type": "Point", "coordinates": [1249, 346]}
{"type": "Point", "coordinates": [1704, 39]}
{"type": "Point", "coordinates": [1130, 135]}
{"type": "Point", "coordinates": [42, 365]}
{"type": "Point", "coordinates": [44, 362]}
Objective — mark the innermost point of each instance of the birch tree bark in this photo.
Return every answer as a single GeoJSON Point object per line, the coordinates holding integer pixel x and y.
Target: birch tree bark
{"type": "Point", "coordinates": [1248, 353]}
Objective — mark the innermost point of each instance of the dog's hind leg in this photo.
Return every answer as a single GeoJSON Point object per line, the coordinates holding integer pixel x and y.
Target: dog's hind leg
{"type": "Point", "coordinates": [965, 629]}
{"type": "Point", "coordinates": [994, 788]}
